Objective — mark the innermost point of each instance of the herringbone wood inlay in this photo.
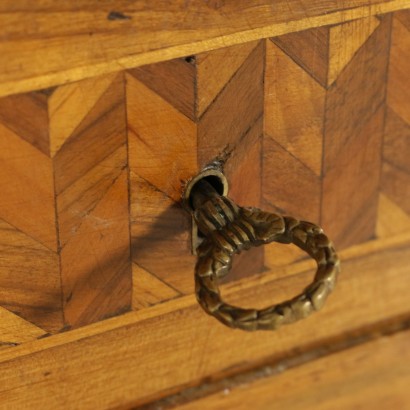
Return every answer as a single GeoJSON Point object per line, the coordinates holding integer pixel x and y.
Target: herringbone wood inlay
{"type": "Point", "coordinates": [324, 131]}
{"type": "Point", "coordinates": [64, 207]}
{"type": "Point", "coordinates": [296, 120]}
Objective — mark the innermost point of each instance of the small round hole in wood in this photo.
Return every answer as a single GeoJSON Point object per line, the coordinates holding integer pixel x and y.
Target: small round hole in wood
{"type": "Point", "coordinates": [214, 177]}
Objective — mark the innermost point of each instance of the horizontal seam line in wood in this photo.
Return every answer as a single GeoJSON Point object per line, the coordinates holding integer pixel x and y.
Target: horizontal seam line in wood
{"type": "Point", "coordinates": [274, 367]}
{"type": "Point", "coordinates": [162, 54]}
{"type": "Point", "coordinates": [184, 302]}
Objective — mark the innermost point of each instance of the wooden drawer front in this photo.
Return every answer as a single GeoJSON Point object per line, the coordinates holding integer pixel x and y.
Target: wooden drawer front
{"type": "Point", "coordinates": [314, 124]}
{"type": "Point", "coordinates": [93, 171]}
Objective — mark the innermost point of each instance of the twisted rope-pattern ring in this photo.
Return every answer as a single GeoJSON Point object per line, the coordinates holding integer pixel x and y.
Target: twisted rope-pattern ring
{"type": "Point", "coordinates": [230, 229]}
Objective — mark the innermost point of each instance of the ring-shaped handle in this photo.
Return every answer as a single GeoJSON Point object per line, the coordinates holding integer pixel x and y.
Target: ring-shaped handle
{"type": "Point", "coordinates": [234, 229]}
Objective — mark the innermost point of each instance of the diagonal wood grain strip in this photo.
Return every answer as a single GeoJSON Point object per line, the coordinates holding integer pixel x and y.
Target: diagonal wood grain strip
{"type": "Point", "coordinates": [160, 236]}
{"type": "Point", "coordinates": [29, 279]}
{"type": "Point", "coordinates": [70, 104]}
{"type": "Point", "coordinates": [160, 139]}
{"type": "Point", "coordinates": [14, 330]}
{"type": "Point", "coordinates": [26, 179]}
{"type": "Point", "coordinates": [237, 107]}
{"type": "Point", "coordinates": [172, 80]}
{"type": "Point", "coordinates": [148, 290]}
{"type": "Point", "coordinates": [100, 133]}
{"type": "Point", "coordinates": [26, 115]}
{"type": "Point", "coordinates": [309, 49]}
{"type": "Point", "coordinates": [294, 107]}
{"type": "Point", "coordinates": [352, 142]}
{"type": "Point", "coordinates": [215, 69]}
{"type": "Point", "coordinates": [344, 41]}
{"type": "Point", "coordinates": [91, 185]}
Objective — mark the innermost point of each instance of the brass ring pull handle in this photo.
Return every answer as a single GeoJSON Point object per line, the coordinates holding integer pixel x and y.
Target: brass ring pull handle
{"type": "Point", "coordinates": [229, 229]}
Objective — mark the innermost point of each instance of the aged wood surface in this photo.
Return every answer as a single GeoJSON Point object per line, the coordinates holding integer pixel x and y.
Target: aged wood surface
{"type": "Point", "coordinates": [102, 164]}
{"type": "Point", "coordinates": [314, 148]}
{"type": "Point", "coordinates": [93, 170]}
{"type": "Point", "coordinates": [374, 375]}
{"type": "Point", "coordinates": [146, 354]}
{"type": "Point", "coordinates": [29, 275]}
{"type": "Point", "coordinates": [47, 43]}
{"type": "Point", "coordinates": [91, 186]}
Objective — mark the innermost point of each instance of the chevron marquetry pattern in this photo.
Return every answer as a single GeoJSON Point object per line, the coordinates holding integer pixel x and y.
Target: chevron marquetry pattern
{"type": "Point", "coordinates": [64, 204]}
{"type": "Point", "coordinates": [92, 172]}
{"type": "Point", "coordinates": [324, 110]}
{"type": "Point", "coordinates": [182, 114]}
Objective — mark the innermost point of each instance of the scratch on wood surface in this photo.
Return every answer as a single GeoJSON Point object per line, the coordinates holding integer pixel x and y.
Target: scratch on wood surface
{"type": "Point", "coordinates": [117, 15]}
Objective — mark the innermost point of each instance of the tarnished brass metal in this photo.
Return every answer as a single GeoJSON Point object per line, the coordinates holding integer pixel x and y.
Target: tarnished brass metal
{"type": "Point", "coordinates": [211, 173]}
{"type": "Point", "coordinates": [228, 229]}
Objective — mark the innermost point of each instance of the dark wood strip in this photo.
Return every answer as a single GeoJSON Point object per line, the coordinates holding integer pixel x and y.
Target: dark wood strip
{"type": "Point", "coordinates": [173, 80]}
{"type": "Point", "coordinates": [309, 49]}
{"type": "Point", "coordinates": [27, 116]}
